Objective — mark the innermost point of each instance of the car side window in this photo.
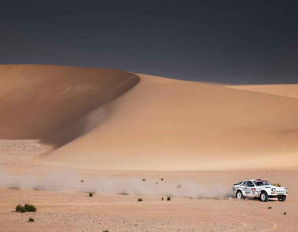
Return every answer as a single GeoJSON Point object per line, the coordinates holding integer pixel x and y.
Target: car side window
{"type": "Point", "coordinates": [250, 184]}
{"type": "Point", "coordinates": [244, 183]}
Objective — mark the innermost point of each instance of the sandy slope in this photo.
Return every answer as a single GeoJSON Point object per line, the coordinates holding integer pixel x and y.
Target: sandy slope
{"type": "Point", "coordinates": [287, 90]}
{"type": "Point", "coordinates": [48, 102]}
{"type": "Point", "coordinates": [160, 124]}
{"type": "Point", "coordinates": [165, 124]}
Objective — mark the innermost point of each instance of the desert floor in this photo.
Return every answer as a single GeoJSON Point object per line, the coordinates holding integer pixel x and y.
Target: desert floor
{"type": "Point", "coordinates": [74, 210]}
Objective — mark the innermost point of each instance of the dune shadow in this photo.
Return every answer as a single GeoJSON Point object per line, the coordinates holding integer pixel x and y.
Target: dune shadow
{"type": "Point", "coordinates": [57, 104]}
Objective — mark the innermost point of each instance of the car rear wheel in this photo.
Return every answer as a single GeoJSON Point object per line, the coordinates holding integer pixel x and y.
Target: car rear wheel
{"type": "Point", "coordinates": [264, 197]}
{"type": "Point", "coordinates": [239, 195]}
{"type": "Point", "coordinates": [282, 198]}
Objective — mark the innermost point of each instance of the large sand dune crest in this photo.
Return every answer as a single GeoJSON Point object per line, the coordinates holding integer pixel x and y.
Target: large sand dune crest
{"type": "Point", "coordinates": [49, 103]}
{"type": "Point", "coordinates": [165, 124]}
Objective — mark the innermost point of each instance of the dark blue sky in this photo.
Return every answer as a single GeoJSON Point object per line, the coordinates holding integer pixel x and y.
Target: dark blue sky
{"type": "Point", "coordinates": [238, 41]}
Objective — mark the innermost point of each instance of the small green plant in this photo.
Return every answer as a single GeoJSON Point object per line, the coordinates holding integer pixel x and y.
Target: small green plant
{"type": "Point", "coordinates": [25, 208]}
{"type": "Point", "coordinates": [19, 208]}
{"type": "Point", "coordinates": [105, 231]}
{"type": "Point", "coordinates": [168, 198]}
{"type": "Point", "coordinates": [30, 208]}
{"type": "Point", "coordinates": [90, 194]}
{"type": "Point", "coordinates": [31, 220]}
{"type": "Point", "coordinates": [140, 199]}
{"type": "Point", "coordinates": [277, 185]}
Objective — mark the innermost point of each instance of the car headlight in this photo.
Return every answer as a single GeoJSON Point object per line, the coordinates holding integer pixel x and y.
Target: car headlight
{"type": "Point", "coordinates": [273, 189]}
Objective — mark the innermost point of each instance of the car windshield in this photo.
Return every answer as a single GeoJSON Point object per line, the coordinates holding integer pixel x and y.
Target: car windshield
{"type": "Point", "coordinates": [261, 182]}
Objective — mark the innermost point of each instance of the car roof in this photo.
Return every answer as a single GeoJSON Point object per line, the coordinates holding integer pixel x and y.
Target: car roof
{"type": "Point", "coordinates": [257, 180]}
{"type": "Point", "coordinates": [254, 180]}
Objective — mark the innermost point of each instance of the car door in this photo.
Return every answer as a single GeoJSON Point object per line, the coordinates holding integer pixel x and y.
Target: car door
{"type": "Point", "coordinates": [244, 188]}
{"type": "Point", "coordinates": [250, 189]}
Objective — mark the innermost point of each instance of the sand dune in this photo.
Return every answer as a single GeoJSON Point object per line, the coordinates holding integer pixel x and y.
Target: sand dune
{"type": "Point", "coordinates": [165, 124]}
{"type": "Point", "coordinates": [48, 102]}
{"type": "Point", "coordinates": [160, 124]}
{"type": "Point", "coordinates": [287, 90]}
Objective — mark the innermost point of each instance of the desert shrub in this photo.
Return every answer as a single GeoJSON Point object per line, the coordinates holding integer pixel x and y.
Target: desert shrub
{"type": "Point", "coordinates": [18, 208]}
{"type": "Point", "coordinates": [285, 213]}
{"type": "Point", "coordinates": [143, 179]}
{"type": "Point", "coordinates": [269, 207]}
{"type": "Point", "coordinates": [90, 194]}
{"type": "Point", "coordinates": [168, 198]}
{"type": "Point", "coordinates": [105, 231]}
{"type": "Point", "coordinates": [25, 208]}
{"type": "Point", "coordinates": [277, 185]}
{"type": "Point", "coordinates": [31, 220]}
{"type": "Point", "coordinates": [30, 208]}
{"type": "Point", "coordinates": [162, 198]}
{"type": "Point", "coordinates": [140, 199]}
{"type": "Point", "coordinates": [161, 179]}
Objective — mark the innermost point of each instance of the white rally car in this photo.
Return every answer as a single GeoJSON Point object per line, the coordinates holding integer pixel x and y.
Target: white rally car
{"type": "Point", "coordinates": [259, 188]}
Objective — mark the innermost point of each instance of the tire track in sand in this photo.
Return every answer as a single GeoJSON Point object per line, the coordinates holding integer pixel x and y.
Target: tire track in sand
{"type": "Point", "coordinates": [273, 227]}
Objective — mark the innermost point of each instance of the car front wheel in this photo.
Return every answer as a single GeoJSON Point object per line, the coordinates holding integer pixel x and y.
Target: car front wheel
{"type": "Point", "coordinates": [264, 197]}
{"type": "Point", "coordinates": [282, 198]}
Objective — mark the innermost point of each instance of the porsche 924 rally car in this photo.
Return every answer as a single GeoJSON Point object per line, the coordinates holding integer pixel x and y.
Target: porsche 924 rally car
{"type": "Point", "coordinates": [259, 188]}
